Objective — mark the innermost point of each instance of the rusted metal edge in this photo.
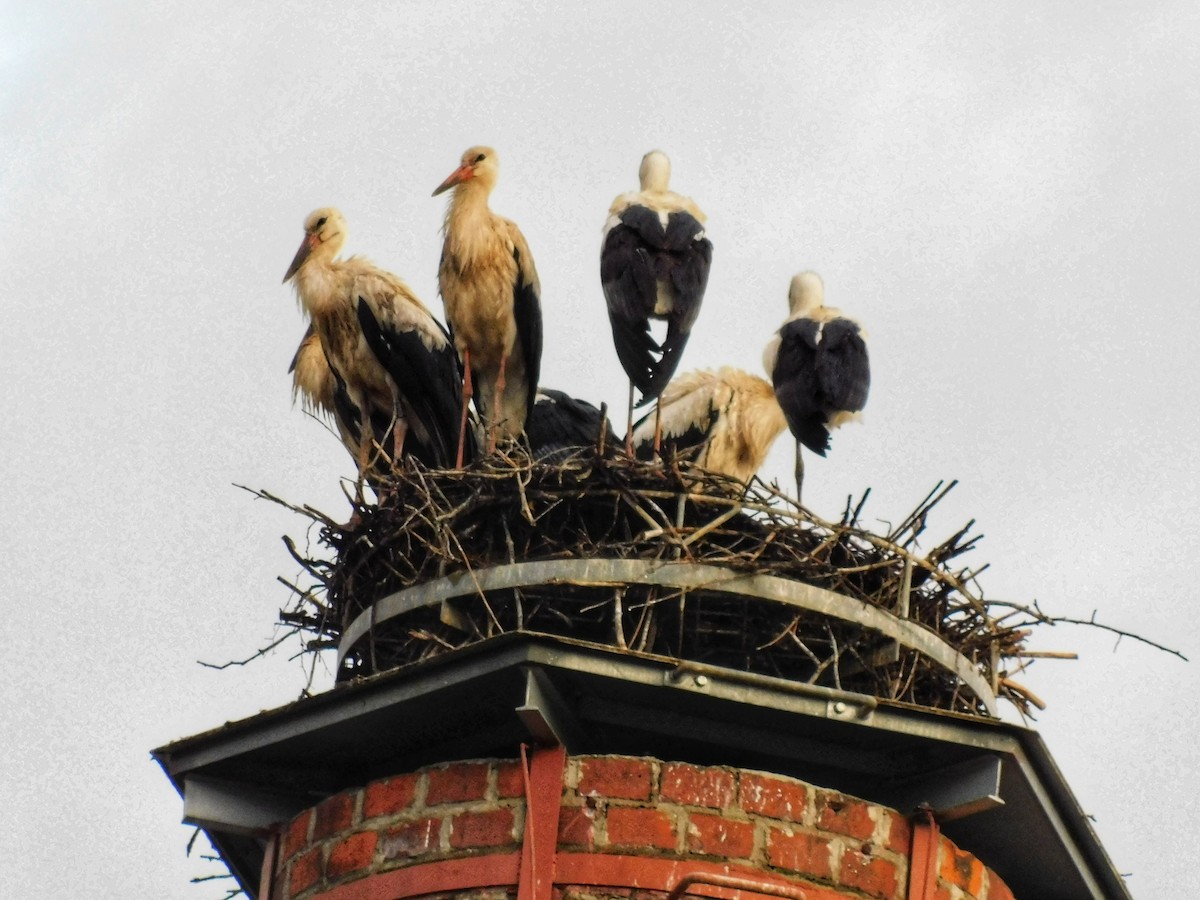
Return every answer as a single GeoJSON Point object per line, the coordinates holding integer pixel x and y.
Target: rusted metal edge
{"type": "Point", "coordinates": [922, 865]}
{"type": "Point", "coordinates": [733, 882]}
{"type": "Point", "coordinates": [543, 776]}
{"type": "Point", "coordinates": [592, 869]}
{"type": "Point", "coordinates": [681, 576]}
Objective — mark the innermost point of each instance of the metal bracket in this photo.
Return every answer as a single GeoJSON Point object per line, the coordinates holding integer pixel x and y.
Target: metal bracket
{"type": "Point", "coordinates": [955, 792]}
{"type": "Point", "coordinates": [685, 676]}
{"type": "Point", "coordinates": [545, 715]}
{"type": "Point", "coordinates": [849, 710]}
{"type": "Point", "coordinates": [232, 807]}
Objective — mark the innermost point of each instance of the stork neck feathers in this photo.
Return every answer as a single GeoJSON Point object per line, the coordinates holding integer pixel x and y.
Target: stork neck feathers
{"type": "Point", "coordinates": [470, 228]}
{"type": "Point", "coordinates": [320, 284]}
{"type": "Point", "coordinates": [806, 294]}
{"type": "Point", "coordinates": [655, 172]}
{"type": "Point", "coordinates": [655, 192]}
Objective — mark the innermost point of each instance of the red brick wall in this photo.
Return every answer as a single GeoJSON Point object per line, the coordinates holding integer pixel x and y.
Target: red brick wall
{"type": "Point", "coordinates": [623, 806]}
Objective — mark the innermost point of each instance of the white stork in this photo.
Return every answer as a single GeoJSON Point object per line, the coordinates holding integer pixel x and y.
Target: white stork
{"type": "Point", "coordinates": [312, 379]}
{"type": "Point", "coordinates": [314, 385]}
{"type": "Point", "coordinates": [490, 288]}
{"type": "Point", "coordinates": [654, 262]}
{"type": "Point", "coordinates": [723, 421]}
{"type": "Point", "coordinates": [560, 424]}
{"type": "Point", "coordinates": [818, 364]}
{"type": "Point", "coordinates": [320, 392]}
{"type": "Point", "coordinates": [396, 376]}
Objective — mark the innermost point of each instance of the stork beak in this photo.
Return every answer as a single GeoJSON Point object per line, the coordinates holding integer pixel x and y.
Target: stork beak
{"type": "Point", "coordinates": [458, 176]}
{"type": "Point", "coordinates": [306, 247]}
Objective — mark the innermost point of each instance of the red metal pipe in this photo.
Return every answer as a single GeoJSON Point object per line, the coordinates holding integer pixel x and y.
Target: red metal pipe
{"type": "Point", "coordinates": [922, 864]}
{"type": "Point", "coordinates": [266, 881]}
{"type": "Point", "coordinates": [754, 885]}
{"type": "Point", "coordinates": [543, 775]}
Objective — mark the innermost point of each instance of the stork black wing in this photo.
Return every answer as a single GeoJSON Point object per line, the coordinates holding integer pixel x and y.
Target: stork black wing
{"type": "Point", "coordinates": [638, 254]}
{"type": "Point", "coordinates": [345, 409]}
{"type": "Point", "coordinates": [559, 423]}
{"type": "Point", "coordinates": [627, 276]}
{"type": "Point", "coordinates": [797, 386]}
{"type": "Point", "coordinates": [527, 311]}
{"type": "Point", "coordinates": [428, 381]}
{"type": "Point", "coordinates": [684, 262]}
{"type": "Point", "coordinates": [843, 369]}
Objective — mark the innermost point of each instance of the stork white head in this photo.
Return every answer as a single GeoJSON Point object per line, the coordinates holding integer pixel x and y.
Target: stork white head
{"type": "Point", "coordinates": [655, 171]}
{"type": "Point", "coordinates": [806, 293]}
{"type": "Point", "coordinates": [479, 165]}
{"type": "Point", "coordinates": [324, 235]}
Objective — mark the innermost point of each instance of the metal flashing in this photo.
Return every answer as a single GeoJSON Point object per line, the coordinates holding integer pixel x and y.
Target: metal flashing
{"type": "Point", "coordinates": [487, 699]}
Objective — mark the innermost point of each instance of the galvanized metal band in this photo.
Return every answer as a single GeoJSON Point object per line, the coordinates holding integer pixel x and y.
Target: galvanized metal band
{"type": "Point", "coordinates": [680, 575]}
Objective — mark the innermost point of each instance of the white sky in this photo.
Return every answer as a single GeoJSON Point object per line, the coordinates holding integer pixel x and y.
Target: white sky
{"type": "Point", "coordinates": [1005, 196]}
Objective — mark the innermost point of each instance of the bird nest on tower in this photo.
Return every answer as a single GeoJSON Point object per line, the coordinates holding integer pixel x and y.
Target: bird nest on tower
{"type": "Point", "coordinates": [662, 559]}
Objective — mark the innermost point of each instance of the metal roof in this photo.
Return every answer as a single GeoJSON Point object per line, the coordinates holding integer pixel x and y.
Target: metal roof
{"type": "Point", "coordinates": [997, 790]}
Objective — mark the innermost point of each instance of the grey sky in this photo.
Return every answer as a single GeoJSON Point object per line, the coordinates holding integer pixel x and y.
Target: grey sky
{"type": "Point", "coordinates": [1005, 196]}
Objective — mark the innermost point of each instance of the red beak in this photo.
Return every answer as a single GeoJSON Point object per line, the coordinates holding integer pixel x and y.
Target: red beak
{"type": "Point", "coordinates": [306, 247]}
{"type": "Point", "coordinates": [458, 176]}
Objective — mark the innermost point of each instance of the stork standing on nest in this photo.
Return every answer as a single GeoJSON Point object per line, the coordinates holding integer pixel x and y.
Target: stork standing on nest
{"type": "Point", "coordinates": [492, 295]}
{"type": "Point", "coordinates": [817, 362]}
{"type": "Point", "coordinates": [724, 421]}
{"type": "Point", "coordinates": [395, 373]}
{"type": "Point", "coordinates": [312, 379]}
{"type": "Point", "coordinates": [314, 385]}
{"type": "Point", "coordinates": [654, 262]}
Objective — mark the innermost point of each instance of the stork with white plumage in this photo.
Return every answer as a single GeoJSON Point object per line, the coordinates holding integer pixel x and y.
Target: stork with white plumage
{"type": "Point", "coordinates": [818, 363]}
{"type": "Point", "coordinates": [396, 376]}
{"type": "Point", "coordinates": [313, 384]}
{"type": "Point", "coordinates": [724, 421]}
{"type": "Point", "coordinates": [318, 390]}
{"type": "Point", "coordinates": [492, 296]}
{"type": "Point", "coordinates": [654, 263]}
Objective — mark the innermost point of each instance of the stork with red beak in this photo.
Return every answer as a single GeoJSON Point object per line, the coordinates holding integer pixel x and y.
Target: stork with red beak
{"type": "Point", "coordinates": [654, 262]}
{"type": "Point", "coordinates": [395, 374]}
{"type": "Point", "coordinates": [490, 289]}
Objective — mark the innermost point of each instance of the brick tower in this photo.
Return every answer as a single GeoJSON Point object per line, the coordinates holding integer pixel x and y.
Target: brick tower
{"type": "Point", "coordinates": [617, 726]}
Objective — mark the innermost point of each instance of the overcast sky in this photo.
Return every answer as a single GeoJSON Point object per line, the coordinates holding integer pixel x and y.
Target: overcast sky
{"type": "Point", "coordinates": [1004, 194]}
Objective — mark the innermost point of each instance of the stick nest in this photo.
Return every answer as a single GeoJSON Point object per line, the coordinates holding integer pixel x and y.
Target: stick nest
{"type": "Point", "coordinates": [510, 508]}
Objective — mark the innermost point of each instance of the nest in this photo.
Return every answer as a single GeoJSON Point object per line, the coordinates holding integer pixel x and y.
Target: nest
{"type": "Point", "coordinates": [510, 508]}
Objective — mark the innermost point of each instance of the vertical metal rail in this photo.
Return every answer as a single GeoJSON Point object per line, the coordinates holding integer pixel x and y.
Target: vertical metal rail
{"type": "Point", "coordinates": [266, 880]}
{"type": "Point", "coordinates": [922, 864]}
{"type": "Point", "coordinates": [543, 776]}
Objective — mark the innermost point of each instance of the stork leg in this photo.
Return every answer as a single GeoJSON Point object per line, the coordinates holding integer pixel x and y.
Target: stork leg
{"type": "Point", "coordinates": [657, 428]}
{"type": "Point", "coordinates": [494, 424]}
{"type": "Point", "coordinates": [629, 425]}
{"type": "Point", "coordinates": [468, 392]}
{"type": "Point", "coordinates": [399, 433]}
{"type": "Point", "coordinates": [364, 465]}
{"type": "Point", "coordinates": [799, 472]}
